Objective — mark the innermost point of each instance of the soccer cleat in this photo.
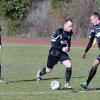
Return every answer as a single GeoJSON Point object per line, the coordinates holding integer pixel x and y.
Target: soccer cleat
{"type": "Point", "coordinates": [2, 81]}
{"type": "Point", "coordinates": [38, 76]}
{"type": "Point", "coordinates": [67, 85]}
{"type": "Point", "coordinates": [84, 85]}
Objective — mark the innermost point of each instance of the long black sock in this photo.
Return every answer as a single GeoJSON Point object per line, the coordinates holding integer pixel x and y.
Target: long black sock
{"type": "Point", "coordinates": [68, 74]}
{"type": "Point", "coordinates": [43, 71]}
{"type": "Point", "coordinates": [91, 74]}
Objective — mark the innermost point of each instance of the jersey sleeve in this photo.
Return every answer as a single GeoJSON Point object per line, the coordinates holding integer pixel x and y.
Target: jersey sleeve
{"type": "Point", "coordinates": [69, 40]}
{"type": "Point", "coordinates": [55, 40]}
{"type": "Point", "coordinates": [91, 39]}
{"type": "Point", "coordinates": [92, 33]}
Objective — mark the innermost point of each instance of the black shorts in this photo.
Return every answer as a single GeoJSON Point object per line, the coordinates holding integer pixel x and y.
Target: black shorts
{"type": "Point", "coordinates": [98, 58]}
{"type": "Point", "coordinates": [52, 60]}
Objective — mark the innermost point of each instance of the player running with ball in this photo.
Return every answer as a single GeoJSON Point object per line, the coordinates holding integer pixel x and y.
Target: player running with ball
{"type": "Point", "coordinates": [61, 42]}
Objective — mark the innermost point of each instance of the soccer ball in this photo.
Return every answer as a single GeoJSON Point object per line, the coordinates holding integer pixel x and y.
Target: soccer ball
{"type": "Point", "coordinates": [55, 85]}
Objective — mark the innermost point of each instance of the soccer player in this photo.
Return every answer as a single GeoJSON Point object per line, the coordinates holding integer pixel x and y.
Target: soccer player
{"type": "Point", "coordinates": [94, 33]}
{"type": "Point", "coordinates": [61, 42]}
{"type": "Point", "coordinates": [1, 80]}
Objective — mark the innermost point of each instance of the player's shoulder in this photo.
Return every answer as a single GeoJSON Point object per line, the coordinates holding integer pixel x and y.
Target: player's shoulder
{"type": "Point", "coordinates": [96, 27]}
{"type": "Point", "coordinates": [92, 29]}
{"type": "Point", "coordinates": [59, 30]}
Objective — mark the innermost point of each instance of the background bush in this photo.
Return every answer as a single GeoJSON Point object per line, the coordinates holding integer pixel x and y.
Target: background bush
{"type": "Point", "coordinates": [14, 11]}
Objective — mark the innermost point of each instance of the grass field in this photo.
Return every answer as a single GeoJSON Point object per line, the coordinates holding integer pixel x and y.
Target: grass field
{"type": "Point", "coordinates": [20, 64]}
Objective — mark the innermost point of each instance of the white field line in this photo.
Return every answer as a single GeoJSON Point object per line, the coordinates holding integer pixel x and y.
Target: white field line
{"type": "Point", "coordinates": [48, 92]}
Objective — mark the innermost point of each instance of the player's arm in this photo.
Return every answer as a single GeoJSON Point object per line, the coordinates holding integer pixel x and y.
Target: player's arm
{"type": "Point", "coordinates": [67, 48]}
{"type": "Point", "coordinates": [88, 46]}
{"type": "Point", "coordinates": [69, 42]}
{"type": "Point", "coordinates": [56, 37]}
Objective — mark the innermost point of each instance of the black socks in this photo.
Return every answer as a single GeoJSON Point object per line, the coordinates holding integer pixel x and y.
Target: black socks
{"type": "Point", "coordinates": [43, 71]}
{"type": "Point", "coordinates": [68, 74]}
{"type": "Point", "coordinates": [91, 74]}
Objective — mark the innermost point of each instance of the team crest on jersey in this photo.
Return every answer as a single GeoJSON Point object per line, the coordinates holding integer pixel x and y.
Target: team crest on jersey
{"type": "Point", "coordinates": [63, 42]}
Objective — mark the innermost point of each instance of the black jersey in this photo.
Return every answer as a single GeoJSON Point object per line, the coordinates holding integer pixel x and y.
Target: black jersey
{"type": "Point", "coordinates": [60, 39]}
{"type": "Point", "coordinates": [94, 33]}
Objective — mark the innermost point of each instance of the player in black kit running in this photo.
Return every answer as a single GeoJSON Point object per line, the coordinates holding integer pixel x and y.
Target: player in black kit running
{"type": "Point", "coordinates": [60, 45]}
{"type": "Point", "coordinates": [94, 33]}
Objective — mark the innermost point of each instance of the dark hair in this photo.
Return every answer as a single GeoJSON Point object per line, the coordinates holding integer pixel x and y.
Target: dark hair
{"type": "Point", "coordinates": [66, 20]}
{"type": "Point", "coordinates": [96, 14]}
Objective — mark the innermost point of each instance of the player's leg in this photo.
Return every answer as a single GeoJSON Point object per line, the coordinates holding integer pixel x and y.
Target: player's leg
{"type": "Point", "coordinates": [42, 72]}
{"type": "Point", "coordinates": [92, 73]}
{"type": "Point", "coordinates": [52, 60]}
{"type": "Point", "coordinates": [68, 72]}
{"type": "Point", "coordinates": [1, 79]}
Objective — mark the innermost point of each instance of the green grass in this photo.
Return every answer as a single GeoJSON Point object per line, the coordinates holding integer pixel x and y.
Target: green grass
{"type": "Point", "coordinates": [20, 64]}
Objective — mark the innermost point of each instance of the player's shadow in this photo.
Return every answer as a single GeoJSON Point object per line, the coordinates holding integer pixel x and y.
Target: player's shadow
{"type": "Point", "coordinates": [18, 81]}
{"type": "Point", "coordinates": [79, 77]}
{"type": "Point", "coordinates": [54, 78]}
{"type": "Point", "coordinates": [80, 90]}
{"type": "Point", "coordinates": [93, 89]}
{"type": "Point", "coordinates": [31, 80]}
{"type": "Point", "coordinates": [43, 79]}
{"type": "Point", "coordinates": [68, 90]}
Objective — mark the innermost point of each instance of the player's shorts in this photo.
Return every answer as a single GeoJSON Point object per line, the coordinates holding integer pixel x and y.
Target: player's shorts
{"type": "Point", "coordinates": [53, 60]}
{"type": "Point", "coordinates": [98, 58]}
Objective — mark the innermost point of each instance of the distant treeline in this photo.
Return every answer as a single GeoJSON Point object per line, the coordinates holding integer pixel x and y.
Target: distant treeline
{"type": "Point", "coordinates": [39, 18]}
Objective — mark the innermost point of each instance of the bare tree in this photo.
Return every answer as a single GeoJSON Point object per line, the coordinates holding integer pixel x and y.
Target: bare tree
{"type": "Point", "coordinates": [44, 19]}
{"type": "Point", "coordinates": [79, 11]}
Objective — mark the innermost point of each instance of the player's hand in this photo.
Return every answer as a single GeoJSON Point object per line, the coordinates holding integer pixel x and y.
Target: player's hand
{"type": "Point", "coordinates": [66, 49]}
{"type": "Point", "coordinates": [84, 55]}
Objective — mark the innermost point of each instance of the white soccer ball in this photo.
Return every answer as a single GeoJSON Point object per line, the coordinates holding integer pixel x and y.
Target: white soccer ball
{"type": "Point", "coordinates": [55, 85]}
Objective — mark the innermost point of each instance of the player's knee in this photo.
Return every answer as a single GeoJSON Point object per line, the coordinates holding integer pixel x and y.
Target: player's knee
{"type": "Point", "coordinates": [95, 67]}
{"type": "Point", "coordinates": [48, 70]}
{"type": "Point", "coordinates": [96, 63]}
{"type": "Point", "coordinates": [68, 66]}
